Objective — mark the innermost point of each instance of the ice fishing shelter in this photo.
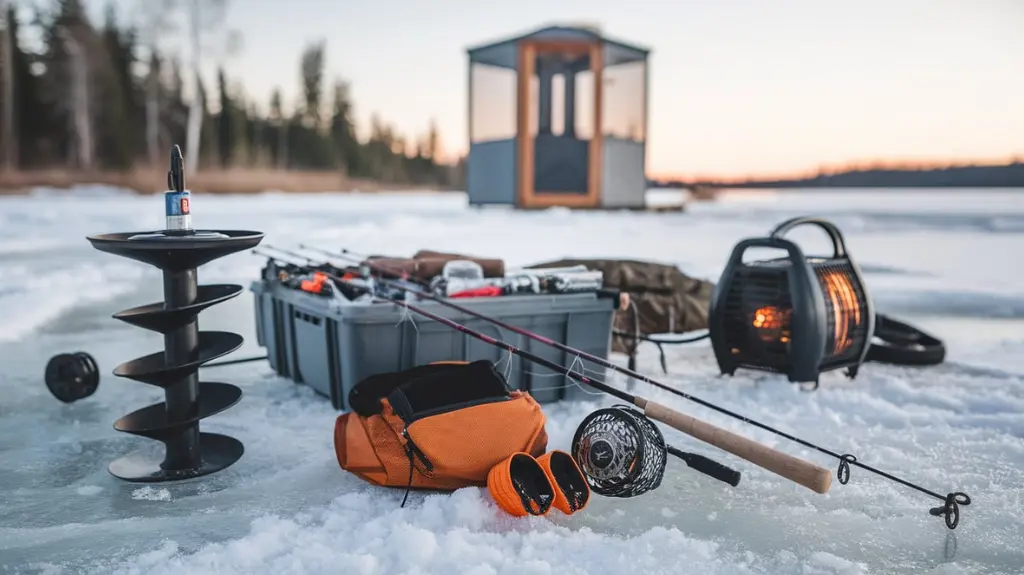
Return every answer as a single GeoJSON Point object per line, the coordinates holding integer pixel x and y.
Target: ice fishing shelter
{"type": "Point", "coordinates": [557, 117]}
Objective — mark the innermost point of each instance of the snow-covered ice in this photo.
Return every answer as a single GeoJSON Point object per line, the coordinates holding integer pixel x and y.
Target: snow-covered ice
{"type": "Point", "coordinates": [948, 261]}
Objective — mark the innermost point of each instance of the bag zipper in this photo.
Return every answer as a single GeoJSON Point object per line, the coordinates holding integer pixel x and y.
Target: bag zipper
{"type": "Point", "coordinates": [413, 450]}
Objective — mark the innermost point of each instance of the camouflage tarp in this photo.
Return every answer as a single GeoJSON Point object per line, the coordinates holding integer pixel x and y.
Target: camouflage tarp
{"type": "Point", "coordinates": [665, 299]}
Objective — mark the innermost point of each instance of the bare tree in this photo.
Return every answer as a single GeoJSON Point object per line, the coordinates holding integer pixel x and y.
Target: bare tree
{"type": "Point", "coordinates": [206, 36]}
{"type": "Point", "coordinates": [313, 82]}
{"type": "Point", "coordinates": [81, 120]}
{"type": "Point", "coordinates": [157, 27]}
{"type": "Point", "coordinates": [277, 117]}
{"type": "Point", "coordinates": [195, 111]}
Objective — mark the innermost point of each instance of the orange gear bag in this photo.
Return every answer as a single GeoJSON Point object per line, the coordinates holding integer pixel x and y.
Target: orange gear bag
{"type": "Point", "coordinates": [437, 426]}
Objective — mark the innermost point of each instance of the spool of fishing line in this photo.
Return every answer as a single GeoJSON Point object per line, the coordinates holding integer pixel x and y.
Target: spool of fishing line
{"type": "Point", "coordinates": [72, 376]}
{"type": "Point", "coordinates": [620, 451]}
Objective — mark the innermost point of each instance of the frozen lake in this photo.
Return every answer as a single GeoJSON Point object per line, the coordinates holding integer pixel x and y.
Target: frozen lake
{"type": "Point", "coordinates": [947, 261]}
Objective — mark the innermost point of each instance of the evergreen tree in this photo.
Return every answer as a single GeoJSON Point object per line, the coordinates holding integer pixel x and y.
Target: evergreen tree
{"type": "Point", "coordinates": [343, 132]}
{"type": "Point", "coordinates": [119, 142]}
{"type": "Point", "coordinates": [32, 119]}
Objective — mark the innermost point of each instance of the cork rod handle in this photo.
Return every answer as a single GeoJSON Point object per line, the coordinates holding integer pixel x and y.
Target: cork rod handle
{"type": "Point", "coordinates": [811, 476]}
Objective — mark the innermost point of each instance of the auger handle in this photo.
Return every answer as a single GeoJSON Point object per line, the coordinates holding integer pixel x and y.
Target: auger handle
{"type": "Point", "coordinates": [813, 477]}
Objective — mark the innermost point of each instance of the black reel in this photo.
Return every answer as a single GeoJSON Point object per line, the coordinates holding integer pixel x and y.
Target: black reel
{"type": "Point", "coordinates": [620, 451]}
{"type": "Point", "coordinates": [72, 376]}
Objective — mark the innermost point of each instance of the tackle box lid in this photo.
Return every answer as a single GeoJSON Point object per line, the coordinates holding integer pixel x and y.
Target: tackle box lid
{"type": "Point", "coordinates": [365, 311]}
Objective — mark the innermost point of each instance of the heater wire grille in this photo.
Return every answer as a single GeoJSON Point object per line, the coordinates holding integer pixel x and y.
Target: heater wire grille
{"type": "Point", "coordinates": [845, 311]}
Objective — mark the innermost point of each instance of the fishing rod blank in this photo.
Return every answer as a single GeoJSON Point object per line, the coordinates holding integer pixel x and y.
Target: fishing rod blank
{"type": "Point", "coordinates": [950, 509]}
{"type": "Point", "coordinates": [802, 472]}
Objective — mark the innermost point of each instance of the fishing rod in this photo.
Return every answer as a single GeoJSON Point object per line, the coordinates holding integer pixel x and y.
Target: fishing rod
{"type": "Point", "coordinates": [802, 472]}
{"type": "Point", "coordinates": [950, 509]}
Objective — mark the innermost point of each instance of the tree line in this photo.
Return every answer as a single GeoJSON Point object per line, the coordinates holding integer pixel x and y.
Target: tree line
{"type": "Point", "coordinates": [90, 97]}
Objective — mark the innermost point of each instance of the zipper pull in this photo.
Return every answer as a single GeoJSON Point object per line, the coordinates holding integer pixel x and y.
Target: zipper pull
{"type": "Point", "coordinates": [412, 449]}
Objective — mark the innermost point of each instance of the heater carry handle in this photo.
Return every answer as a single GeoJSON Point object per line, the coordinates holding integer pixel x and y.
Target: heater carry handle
{"type": "Point", "coordinates": [740, 250]}
{"type": "Point", "coordinates": [838, 244]}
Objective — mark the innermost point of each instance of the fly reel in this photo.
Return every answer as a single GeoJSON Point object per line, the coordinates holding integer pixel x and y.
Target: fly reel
{"type": "Point", "coordinates": [620, 451]}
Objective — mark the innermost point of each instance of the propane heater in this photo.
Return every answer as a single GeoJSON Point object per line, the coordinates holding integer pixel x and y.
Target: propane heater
{"type": "Point", "coordinates": [796, 314]}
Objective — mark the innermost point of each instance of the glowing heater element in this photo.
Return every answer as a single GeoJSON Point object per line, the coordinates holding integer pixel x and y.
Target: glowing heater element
{"type": "Point", "coordinates": [772, 324]}
{"type": "Point", "coordinates": [845, 308]}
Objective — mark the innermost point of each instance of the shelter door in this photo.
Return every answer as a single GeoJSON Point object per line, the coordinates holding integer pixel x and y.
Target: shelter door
{"type": "Point", "coordinates": [559, 112]}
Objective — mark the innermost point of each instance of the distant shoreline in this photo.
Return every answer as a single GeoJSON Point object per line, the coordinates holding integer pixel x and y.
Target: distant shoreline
{"type": "Point", "coordinates": [231, 181]}
{"type": "Point", "coordinates": [993, 176]}
{"type": "Point", "coordinates": [247, 181]}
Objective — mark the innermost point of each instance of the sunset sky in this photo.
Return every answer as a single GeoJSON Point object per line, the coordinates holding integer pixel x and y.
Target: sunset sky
{"type": "Point", "coordinates": [738, 87]}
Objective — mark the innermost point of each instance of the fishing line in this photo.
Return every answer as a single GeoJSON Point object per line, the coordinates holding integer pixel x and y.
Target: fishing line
{"type": "Point", "coordinates": [950, 509]}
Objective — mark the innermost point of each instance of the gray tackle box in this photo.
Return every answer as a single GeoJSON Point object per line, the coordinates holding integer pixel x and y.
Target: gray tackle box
{"type": "Point", "coordinates": [330, 344]}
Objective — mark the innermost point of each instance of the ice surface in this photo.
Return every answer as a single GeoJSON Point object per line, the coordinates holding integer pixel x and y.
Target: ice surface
{"type": "Point", "coordinates": [947, 261]}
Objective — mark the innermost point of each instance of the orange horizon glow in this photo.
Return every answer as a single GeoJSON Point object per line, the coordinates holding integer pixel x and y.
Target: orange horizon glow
{"type": "Point", "coordinates": [825, 169]}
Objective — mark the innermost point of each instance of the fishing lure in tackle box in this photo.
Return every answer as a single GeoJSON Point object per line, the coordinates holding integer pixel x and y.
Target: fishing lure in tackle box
{"type": "Point", "coordinates": [315, 280]}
